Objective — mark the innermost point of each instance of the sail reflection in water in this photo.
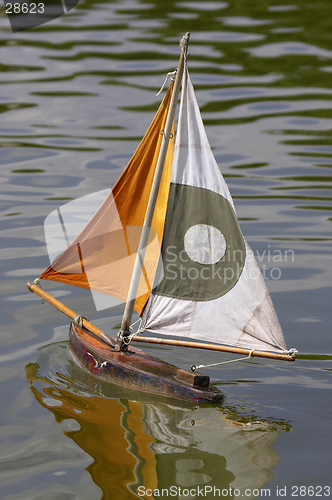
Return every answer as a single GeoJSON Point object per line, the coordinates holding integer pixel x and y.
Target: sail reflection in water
{"type": "Point", "coordinates": [151, 444]}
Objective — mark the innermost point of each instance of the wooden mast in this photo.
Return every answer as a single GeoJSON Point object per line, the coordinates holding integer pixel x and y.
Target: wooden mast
{"type": "Point", "coordinates": [135, 279]}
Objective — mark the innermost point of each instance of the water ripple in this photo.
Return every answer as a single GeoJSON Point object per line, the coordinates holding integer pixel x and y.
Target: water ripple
{"type": "Point", "coordinates": [76, 96]}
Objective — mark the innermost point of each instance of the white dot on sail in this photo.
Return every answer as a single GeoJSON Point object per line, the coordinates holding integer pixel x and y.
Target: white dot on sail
{"type": "Point", "coordinates": [204, 244]}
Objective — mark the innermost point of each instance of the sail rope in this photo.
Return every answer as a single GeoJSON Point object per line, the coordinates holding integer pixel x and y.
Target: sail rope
{"type": "Point", "coordinates": [194, 367]}
{"type": "Point", "coordinates": [290, 352]}
{"type": "Point", "coordinates": [172, 74]}
{"type": "Point", "coordinates": [126, 339]}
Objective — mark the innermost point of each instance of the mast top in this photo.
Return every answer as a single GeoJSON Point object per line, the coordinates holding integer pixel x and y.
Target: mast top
{"type": "Point", "coordinates": [185, 40]}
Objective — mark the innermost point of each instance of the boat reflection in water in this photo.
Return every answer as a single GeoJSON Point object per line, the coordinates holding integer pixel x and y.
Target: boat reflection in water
{"type": "Point", "coordinates": [139, 443]}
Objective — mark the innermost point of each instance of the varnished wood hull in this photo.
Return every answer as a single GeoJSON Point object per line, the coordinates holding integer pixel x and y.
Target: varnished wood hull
{"type": "Point", "coordinates": [138, 370]}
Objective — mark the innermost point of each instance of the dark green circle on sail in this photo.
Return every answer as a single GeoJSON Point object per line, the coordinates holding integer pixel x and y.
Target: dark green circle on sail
{"type": "Point", "coordinates": [185, 278]}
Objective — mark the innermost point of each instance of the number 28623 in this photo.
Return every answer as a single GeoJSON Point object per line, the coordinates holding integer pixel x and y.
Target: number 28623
{"type": "Point", "coordinates": [24, 8]}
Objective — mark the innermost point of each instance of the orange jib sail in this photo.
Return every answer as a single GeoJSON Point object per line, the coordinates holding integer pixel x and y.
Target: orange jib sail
{"type": "Point", "coordinates": [101, 258]}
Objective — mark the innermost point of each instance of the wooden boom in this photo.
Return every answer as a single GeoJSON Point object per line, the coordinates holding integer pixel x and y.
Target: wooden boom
{"type": "Point", "coordinates": [216, 347]}
{"type": "Point", "coordinates": [150, 340]}
{"type": "Point", "coordinates": [71, 314]}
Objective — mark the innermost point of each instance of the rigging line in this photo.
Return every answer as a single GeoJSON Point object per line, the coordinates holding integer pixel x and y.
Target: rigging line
{"type": "Point", "coordinates": [128, 338]}
{"type": "Point", "coordinates": [194, 367]}
{"type": "Point", "coordinates": [133, 324]}
{"type": "Point", "coordinates": [172, 74]}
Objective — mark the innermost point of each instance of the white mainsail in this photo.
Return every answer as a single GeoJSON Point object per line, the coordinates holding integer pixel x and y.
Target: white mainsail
{"type": "Point", "coordinates": [212, 288]}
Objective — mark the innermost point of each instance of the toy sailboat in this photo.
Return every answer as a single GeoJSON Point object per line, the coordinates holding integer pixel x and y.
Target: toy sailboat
{"type": "Point", "coordinates": [166, 241]}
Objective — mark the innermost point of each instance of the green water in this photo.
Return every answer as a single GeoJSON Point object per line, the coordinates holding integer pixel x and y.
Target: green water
{"type": "Point", "coordinates": [76, 96]}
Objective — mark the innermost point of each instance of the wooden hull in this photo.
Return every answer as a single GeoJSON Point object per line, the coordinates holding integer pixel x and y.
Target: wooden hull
{"type": "Point", "coordinates": [138, 370]}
